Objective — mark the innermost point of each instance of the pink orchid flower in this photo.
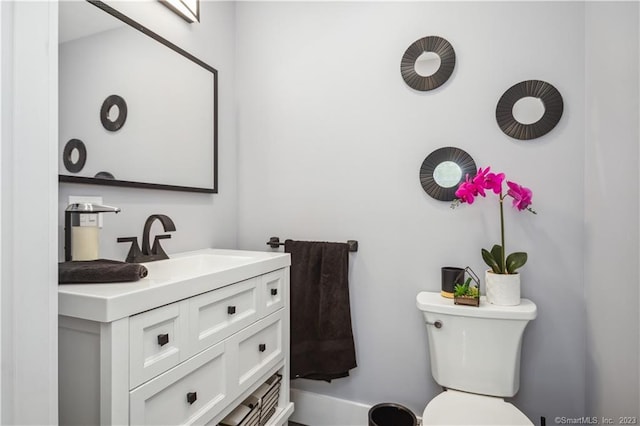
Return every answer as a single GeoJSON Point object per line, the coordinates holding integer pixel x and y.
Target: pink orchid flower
{"type": "Point", "coordinates": [486, 180]}
{"type": "Point", "coordinates": [466, 192]}
{"type": "Point", "coordinates": [494, 182]}
{"type": "Point", "coordinates": [521, 195]}
{"type": "Point", "coordinates": [480, 179]}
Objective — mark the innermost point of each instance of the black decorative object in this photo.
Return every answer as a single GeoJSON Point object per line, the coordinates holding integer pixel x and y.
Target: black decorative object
{"type": "Point", "coordinates": [67, 154]}
{"type": "Point", "coordinates": [110, 102]}
{"type": "Point", "coordinates": [551, 100]}
{"type": "Point", "coordinates": [450, 277]}
{"type": "Point", "coordinates": [441, 157]}
{"type": "Point", "coordinates": [440, 47]}
{"type": "Point", "coordinates": [104, 175]}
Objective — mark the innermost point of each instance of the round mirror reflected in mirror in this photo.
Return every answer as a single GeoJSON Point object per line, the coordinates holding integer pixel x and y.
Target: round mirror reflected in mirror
{"type": "Point", "coordinates": [447, 174]}
{"type": "Point", "coordinates": [528, 110]}
{"type": "Point", "coordinates": [427, 64]}
{"type": "Point", "coordinates": [74, 155]}
{"type": "Point", "coordinates": [443, 170]}
{"type": "Point", "coordinates": [113, 113]}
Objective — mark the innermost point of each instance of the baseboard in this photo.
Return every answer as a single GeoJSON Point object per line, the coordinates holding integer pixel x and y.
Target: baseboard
{"type": "Point", "coordinates": [314, 409]}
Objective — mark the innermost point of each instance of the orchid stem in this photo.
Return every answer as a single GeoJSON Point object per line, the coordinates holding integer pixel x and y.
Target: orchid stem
{"type": "Point", "coordinates": [503, 260]}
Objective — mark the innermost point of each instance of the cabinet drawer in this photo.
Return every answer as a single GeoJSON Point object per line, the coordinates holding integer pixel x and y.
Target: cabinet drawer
{"type": "Point", "coordinates": [216, 315]}
{"type": "Point", "coordinates": [256, 349]}
{"type": "Point", "coordinates": [189, 393]}
{"type": "Point", "coordinates": [273, 286]}
{"type": "Point", "coordinates": [157, 342]}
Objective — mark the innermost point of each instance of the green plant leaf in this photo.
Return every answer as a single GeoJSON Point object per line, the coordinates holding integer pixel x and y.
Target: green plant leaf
{"type": "Point", "coordinates": [496, 252]}
{"type": "Point", "coordinates": [473, 292]}
{"type": "Point", "coordinates": [490, 261]}
{"type": "Point", "coordinates": [460, 290]}
{"type": "Point", "coordinates": [515, 261]}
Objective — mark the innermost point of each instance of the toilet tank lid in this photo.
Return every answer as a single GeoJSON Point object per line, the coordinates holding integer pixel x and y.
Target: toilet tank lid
{"type": "Point", "coordinates": [434, 302]}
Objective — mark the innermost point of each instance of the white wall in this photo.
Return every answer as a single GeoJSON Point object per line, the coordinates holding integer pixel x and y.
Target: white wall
{"type": "Point", "coordinates": [202, 220]}
{"type": "Point", "coordinates": [611, 213]}
{"type": "Point", "coordinates": [331, 140]}
{"type": "Point", "coordinates": [29, 213]}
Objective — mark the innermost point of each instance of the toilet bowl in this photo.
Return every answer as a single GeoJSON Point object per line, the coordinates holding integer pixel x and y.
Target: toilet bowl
{"type": "Point", "coordinates": [475, 356]}
{"type": "Point", "coordinates": [461, 408]}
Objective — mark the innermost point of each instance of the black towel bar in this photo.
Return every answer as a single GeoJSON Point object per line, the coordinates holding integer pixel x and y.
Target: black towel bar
{"type": "Point", "coordinates": [274, 242]}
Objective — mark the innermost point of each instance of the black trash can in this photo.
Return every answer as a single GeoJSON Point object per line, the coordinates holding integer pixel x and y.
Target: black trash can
{"type": "Point", "coordinates": [391, 414]}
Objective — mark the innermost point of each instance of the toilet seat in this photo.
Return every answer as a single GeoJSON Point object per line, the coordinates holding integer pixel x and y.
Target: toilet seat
{"type": "Point", "coordinates": [462, 408]}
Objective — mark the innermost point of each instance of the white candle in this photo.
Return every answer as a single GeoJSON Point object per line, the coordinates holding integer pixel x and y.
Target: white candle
{"type": "Point", "coordinates": [84, 242]}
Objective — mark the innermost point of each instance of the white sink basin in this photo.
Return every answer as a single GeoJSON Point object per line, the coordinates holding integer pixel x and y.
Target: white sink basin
{"type": "Point", "coordinates": [182, 276]}
{"type": "Point", "coordinates": [194, 264]}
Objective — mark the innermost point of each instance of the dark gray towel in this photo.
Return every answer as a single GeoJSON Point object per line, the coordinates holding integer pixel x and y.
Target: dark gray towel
{"type": "Point", "coordinates": [99, 271]}
{"type": "Point", "coordinates": [322, 345]}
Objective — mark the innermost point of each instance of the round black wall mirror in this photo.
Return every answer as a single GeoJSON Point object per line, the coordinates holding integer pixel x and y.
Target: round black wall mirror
{"type": "Point", "coordinates": [443, 170]}
{"type": "Point", "coordinates": [113, 113]}
{"type": "Point", "coordinates": [74, 155]}
{"type": "Point", "coordinates": [529, 109]}
{"type": "Point", "coordinates": [428, 63]}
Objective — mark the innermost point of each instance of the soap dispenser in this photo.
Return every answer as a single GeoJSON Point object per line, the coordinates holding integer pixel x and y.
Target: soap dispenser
{"type": "Point", "coordinates": [81, 237]}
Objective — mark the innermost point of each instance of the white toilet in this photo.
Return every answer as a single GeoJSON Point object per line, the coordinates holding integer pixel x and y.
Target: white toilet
{"type": "Point", "coordinates": [475, 356]}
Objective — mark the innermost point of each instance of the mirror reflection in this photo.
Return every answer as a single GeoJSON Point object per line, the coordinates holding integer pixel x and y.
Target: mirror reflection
{"type": "Point", "coordinates": [427, 64]}
{"type": "Point", "coordinates": [447, 174]}
{"type": "Point", "coordinates": [528, 110]}
{"type": "Point", "coordinates": [164, 131]}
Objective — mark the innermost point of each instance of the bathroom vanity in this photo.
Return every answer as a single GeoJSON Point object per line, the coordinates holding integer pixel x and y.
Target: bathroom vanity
{"type": "Point", "coordinates": [184, 345]}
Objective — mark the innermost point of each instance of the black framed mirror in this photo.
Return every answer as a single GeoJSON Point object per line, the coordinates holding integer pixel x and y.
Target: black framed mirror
{"type": "Point", "coordinates": [170, 137]}
{"type": "Point", "coordinates": [428, 63]}
{"type": "Point", "coordinates": [443, 170]}
{"type": "Point", "coordinates": [529, 109]}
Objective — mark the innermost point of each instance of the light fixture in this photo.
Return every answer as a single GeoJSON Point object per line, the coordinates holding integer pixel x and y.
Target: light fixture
{"type": "Point", "coordinates": [189, 10]}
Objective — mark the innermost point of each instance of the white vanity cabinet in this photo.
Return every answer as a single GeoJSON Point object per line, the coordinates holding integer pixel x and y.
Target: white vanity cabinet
{"type": "Point", "coordinates": [209, 340]}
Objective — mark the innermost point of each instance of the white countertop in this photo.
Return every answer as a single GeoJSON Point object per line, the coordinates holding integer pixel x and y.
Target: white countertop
{"type": "Point", "coordinates": [183, 275]}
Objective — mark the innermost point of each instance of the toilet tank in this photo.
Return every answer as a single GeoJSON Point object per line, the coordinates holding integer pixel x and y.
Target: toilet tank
{"type": "Point", "coordinates": [475, 349]}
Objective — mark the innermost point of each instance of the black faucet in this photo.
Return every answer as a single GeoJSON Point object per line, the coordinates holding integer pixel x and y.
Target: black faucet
{"type": "Point", "coordinates": [149, 254]}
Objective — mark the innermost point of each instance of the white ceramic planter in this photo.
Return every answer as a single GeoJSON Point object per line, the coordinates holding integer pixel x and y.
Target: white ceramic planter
{"type": "Point", "coordinates": [502, 289]}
